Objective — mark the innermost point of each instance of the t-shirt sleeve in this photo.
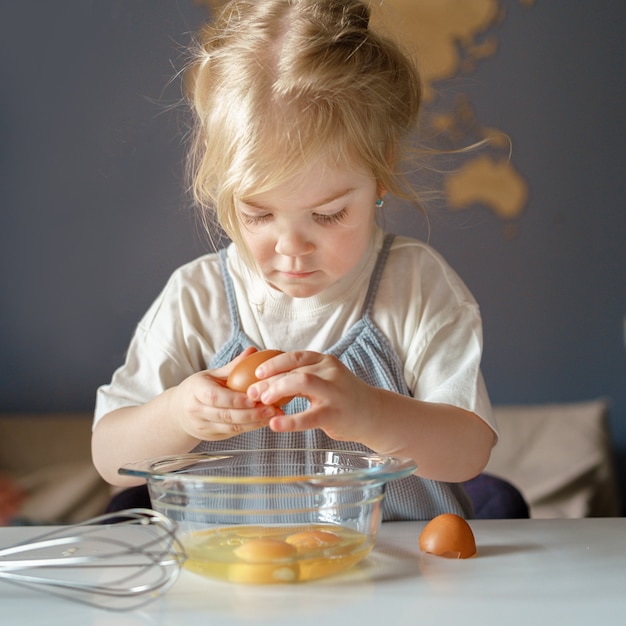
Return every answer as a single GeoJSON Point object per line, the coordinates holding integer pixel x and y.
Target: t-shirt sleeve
{"type": "Point", "coordinates": [176, 337]}
{"type": "Point", "coordinates": [447, 369]}
{"type": "Point", "coordinates": [438, 331]}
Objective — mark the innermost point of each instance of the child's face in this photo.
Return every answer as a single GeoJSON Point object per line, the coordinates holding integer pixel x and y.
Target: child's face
{"type": "Point", "coordinates": [308, 233]}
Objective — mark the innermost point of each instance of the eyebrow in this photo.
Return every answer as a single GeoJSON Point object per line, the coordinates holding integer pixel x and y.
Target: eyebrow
{"type": "Point", "coordinates": [323, 202]}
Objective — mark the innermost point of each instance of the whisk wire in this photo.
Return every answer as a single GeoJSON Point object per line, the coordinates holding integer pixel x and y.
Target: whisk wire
{"type": "Point", "coordinates": [130, 562]}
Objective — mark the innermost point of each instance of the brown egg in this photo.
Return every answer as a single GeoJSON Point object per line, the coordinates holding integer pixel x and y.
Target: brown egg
{"type": "Point", "coordinates": [242, 375]}
{"type": "Point", "coordinates": [448, 535]}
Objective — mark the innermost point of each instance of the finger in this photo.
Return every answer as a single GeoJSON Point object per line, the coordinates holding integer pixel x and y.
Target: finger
{"type": "Point", "coordinates": [259, 414]}
{"type": "Point", "coordinates": [230, 422]}
{"type": "Point", "coordinates": [304, 382]}
{"type": "Point", "coordinates": [283, 424]}
{"type": "Point", "coordinates": [277, 390]}
{"type": "Point", "coordinates": [213, 431]}
{"type": "Point", "coordinates": [223, 372]}
{"type": "Point", "coordinates": [214, 394]}
{"type": "Point", "coordinates": [287, 362]}
{"type": "Point", "coordinates": [297, 422]}
{"type": "Point", "coordinates": [285, 376]}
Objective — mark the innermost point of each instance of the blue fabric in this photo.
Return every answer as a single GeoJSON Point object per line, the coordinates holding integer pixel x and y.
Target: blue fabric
{"type": "Point", "coordinates": [495, 498]}
{"type": "Point", "coordinates": [369, 355]}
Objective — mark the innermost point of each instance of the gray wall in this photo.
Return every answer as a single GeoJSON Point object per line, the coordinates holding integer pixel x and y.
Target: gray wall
{"type": "Point", "coordinates": [93, 217]}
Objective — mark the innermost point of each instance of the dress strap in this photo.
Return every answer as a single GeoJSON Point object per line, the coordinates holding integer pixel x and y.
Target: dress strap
{"type": "Point", "coordinates": [372, 290]}
{"type": "Point", "coordinates": [233, 309]}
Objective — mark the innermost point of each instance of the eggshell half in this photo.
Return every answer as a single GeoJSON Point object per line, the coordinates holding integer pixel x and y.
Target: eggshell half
{"type": "Point", "coordinates": [448, 535]}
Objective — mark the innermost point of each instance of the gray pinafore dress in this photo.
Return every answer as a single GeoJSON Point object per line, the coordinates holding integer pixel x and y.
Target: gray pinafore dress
{"type": "Point", "coordinates": [370, 356]}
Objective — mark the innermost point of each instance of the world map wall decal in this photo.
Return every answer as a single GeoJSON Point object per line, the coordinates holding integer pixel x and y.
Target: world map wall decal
{"type": "Point", "coordinates": [449, 38]}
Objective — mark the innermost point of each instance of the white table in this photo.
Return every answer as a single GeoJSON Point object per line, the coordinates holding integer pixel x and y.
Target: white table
{"type": "Point", "coordinates": [527, 572]}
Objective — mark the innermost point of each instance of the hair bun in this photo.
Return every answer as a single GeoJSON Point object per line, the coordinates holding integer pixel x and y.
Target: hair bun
{"type": "Point", "coordinates": [357, 15]}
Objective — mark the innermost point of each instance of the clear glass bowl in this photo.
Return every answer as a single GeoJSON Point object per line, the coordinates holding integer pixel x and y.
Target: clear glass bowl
{"type": "Point", "coordinates": [272, 516]}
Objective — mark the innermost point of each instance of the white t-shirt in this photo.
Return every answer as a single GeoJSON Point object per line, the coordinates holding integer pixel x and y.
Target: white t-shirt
{"type": "Point", "coordinates": [422, 306]}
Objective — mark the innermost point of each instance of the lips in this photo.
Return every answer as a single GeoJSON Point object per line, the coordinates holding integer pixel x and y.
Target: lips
{"type": "Point", "coordinates": [296, 274]}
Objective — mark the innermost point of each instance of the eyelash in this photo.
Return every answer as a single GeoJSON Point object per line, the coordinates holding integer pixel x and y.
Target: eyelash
{"type": "Point", "coordinates": [324, 220]}
{"type": "Point", "coordinates": [334, 218]}
{"type": "Point", "coordinates": [255, 220]}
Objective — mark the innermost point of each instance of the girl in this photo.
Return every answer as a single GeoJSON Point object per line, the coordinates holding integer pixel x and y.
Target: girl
{"type": "Point", "coordinates": [301, 112]}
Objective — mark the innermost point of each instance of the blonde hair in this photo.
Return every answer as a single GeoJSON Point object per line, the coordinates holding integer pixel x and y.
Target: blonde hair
{"type": "Point", "coordinates": [275, 85]}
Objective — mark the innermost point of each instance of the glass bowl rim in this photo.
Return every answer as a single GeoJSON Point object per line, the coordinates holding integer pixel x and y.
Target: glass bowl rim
{"type": "Point", "coordinates": [169, 467]}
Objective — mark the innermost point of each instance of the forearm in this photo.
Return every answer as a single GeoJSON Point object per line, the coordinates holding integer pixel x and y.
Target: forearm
{"type": "Point", "coordinates": [447, 443]}
{"type": "Point", "coordinates": [134, 433]}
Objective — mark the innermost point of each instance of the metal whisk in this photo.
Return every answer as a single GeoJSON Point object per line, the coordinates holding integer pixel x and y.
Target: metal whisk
{"type": "Point", "coordinates": [116, 561]}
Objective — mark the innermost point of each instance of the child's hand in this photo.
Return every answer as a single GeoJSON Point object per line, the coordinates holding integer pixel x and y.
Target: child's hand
{"type": "Point", "coordinates": [207, 410]}
{"type": "Point", "coordinates": [341, 404]}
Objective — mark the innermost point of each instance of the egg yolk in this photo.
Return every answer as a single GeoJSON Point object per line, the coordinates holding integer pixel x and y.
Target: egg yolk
{"type": "Point", "coordinates": [274, 554]}
{"type": "Point", "coordinates": [263, 573]}
{"type": "Point", "coordinates": [264, 550]}
{"type": "Point", "coordinates": [308, 540]}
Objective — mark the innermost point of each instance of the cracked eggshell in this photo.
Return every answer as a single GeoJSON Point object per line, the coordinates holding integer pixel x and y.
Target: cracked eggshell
{"type": "Point", "coordinates": [448, 535]}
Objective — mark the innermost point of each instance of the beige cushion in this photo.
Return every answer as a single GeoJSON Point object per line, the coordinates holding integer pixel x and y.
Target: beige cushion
{"type": "Point", "coordinates": [49, 457]}
{"type": "Point", "coordinates": [559, 456]}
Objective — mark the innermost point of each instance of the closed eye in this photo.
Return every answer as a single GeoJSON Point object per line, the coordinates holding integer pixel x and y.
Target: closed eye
{"type": "Point", "coordinates": [255, 220]}
{"type": "Point", "coordinates": [333, 218]}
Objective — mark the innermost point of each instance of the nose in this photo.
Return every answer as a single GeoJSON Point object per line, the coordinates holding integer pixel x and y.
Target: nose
{"type": "Point", "coordinates": [293, 242]}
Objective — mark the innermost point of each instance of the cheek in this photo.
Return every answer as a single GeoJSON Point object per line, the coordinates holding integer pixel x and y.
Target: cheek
{"type": "Point", "coordinates": [260, 246]}
{"type": "Point", "coordinates": [348, 248]}
{"type": "Point", "coordinates": [342, 257]}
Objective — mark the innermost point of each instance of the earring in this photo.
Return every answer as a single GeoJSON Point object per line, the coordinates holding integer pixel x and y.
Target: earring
{"type": "Point", "coordinates": [379, 203]}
